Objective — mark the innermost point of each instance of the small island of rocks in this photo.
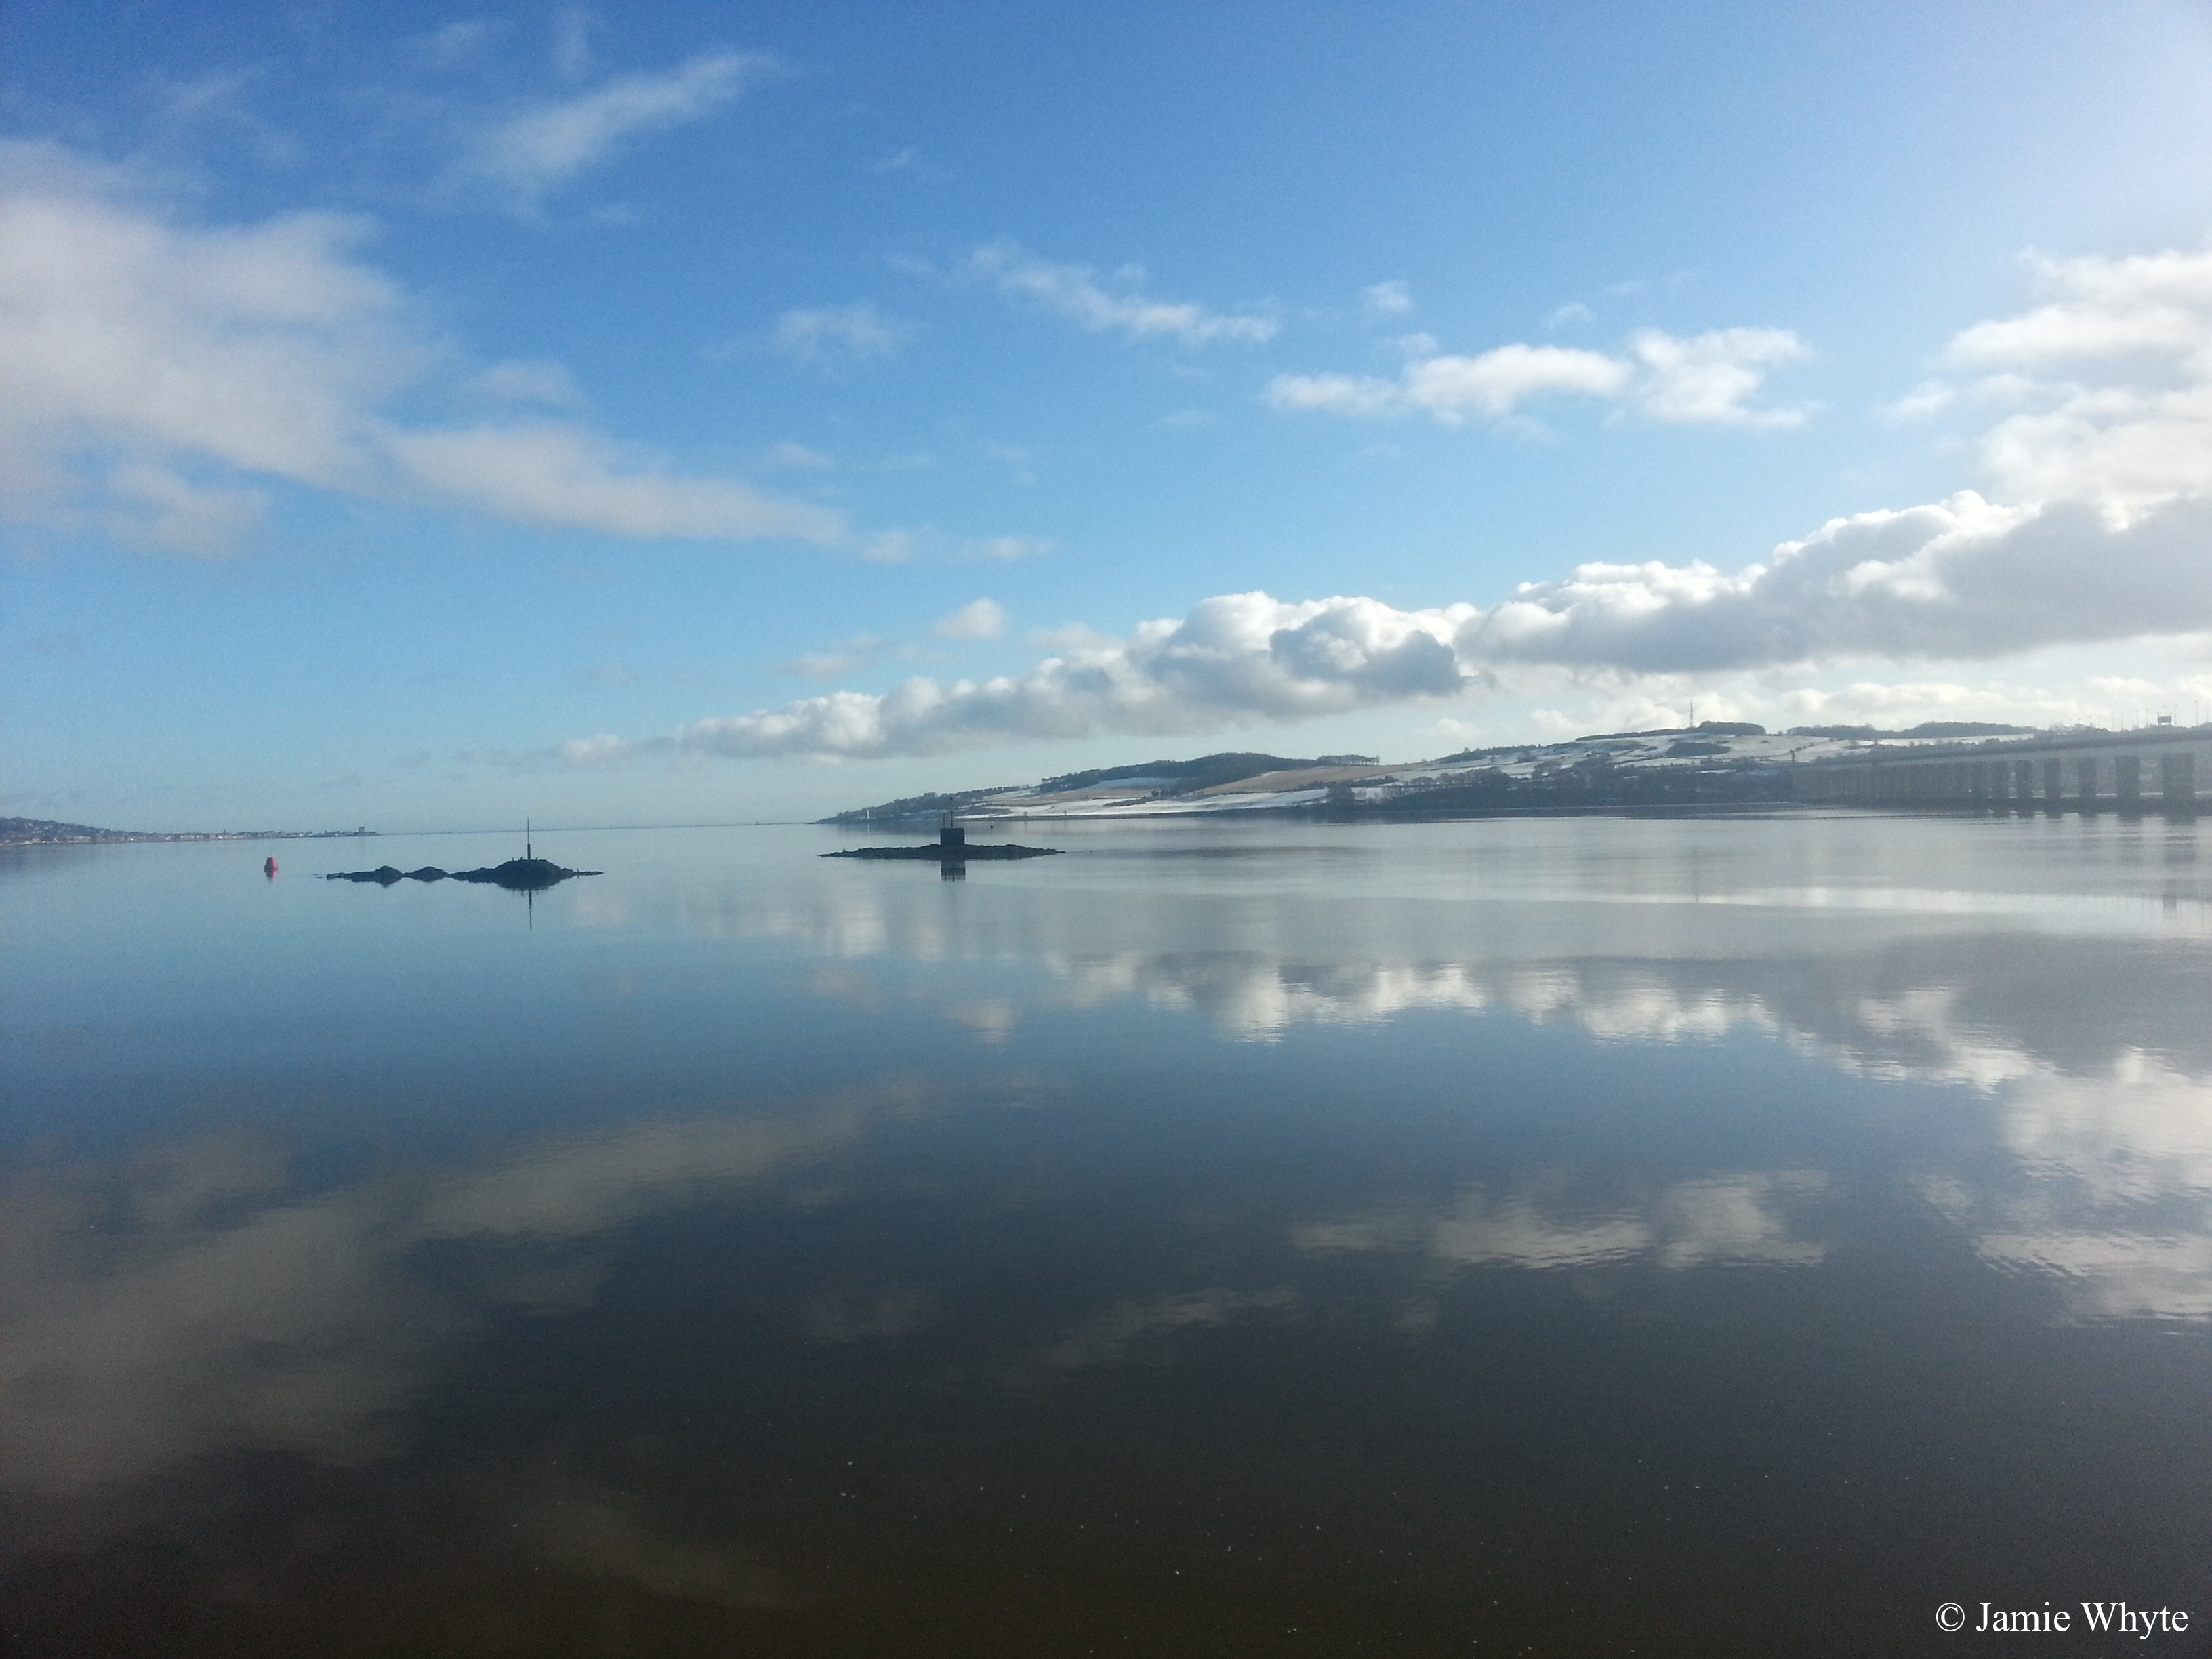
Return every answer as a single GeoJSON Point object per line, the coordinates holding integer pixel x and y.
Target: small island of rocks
{"type": "Point", "coordinates": [516, 875]}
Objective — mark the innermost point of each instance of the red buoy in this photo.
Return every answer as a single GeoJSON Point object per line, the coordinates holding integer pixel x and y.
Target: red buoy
{"type": "Point", "coordinates": [269, 868]}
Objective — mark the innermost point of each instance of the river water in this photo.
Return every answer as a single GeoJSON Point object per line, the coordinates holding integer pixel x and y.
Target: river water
{"type": "Point", "coordinates": [1570, 1237]}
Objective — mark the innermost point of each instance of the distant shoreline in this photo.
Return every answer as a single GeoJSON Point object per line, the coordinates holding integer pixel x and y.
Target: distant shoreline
{"type": "Point", "coordinates": [45, 832]}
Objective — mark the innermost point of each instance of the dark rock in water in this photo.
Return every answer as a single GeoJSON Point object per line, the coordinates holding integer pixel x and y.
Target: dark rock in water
{"type": "Point", "coordinates": [951, 847]}
{"type": "Point", "coordinates": [944, 855]}
{"type": "Point", "coordinates": [517, 875]}
{"type": "Point", "coordinates": [522, 875]}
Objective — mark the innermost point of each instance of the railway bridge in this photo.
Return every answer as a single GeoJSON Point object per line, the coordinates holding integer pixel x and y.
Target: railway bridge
{"type": "Point", "coordinates": [2153, 769]}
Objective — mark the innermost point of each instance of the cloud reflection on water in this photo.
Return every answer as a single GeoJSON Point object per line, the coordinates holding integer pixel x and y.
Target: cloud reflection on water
{"type": "Point", "coordinates": [196, 1300]}
{"type": "Point", "coordinates": [1732, 1218]}
{"type": "Point", "coordinates": [2078, 1016]}
{"type": "Point", "coordinates": [208, 1306]}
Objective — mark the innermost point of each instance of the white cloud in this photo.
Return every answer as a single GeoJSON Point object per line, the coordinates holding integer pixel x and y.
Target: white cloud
{"type": "Point", "coordinates": [2110, 545]}
{"type": "Point", "coordinates": [1391, 299]}
{"type": "Point", "coordinates": [1446, 388]}
{"type": "Point", "coordinates": [837, 334]}
{"type": "Point", "coordinates": [1234, 660]}
{"type": "Point", "coordinates": [257, 347]}
{"type": "Point", "coordinates": [1960, 579]}
{"type": "Point", "coordinates": [529, 153]}
{"type": "Point", "coordinates": [168, 373]}
{"type": "Point", "coordinates": [980, 619]}
{"type": "Point", "coordinates": [565, 477]}
{"type": "Point", "coordinates": [2155, 306]}
{"type": "Point", "coordinates": [1072, 292]}
{"type": "Point", "coordinates": [1704, 379]}
{"type": "Point", "coordinates": [2111, 379]}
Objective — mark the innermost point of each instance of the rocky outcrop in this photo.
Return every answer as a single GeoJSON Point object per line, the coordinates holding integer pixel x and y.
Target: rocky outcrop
{"type": "Point", "coordinates": [516, 875]}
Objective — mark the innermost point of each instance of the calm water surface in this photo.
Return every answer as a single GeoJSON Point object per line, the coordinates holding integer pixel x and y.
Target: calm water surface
{"type": "Point", "coordinates": [1570, 1237]}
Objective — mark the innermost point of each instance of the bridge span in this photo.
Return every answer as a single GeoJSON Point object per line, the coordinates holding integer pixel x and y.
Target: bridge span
{"type": "Point", "coordinates": [2153, 769]}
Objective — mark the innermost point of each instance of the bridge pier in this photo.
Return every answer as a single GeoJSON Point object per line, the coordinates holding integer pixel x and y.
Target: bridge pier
{"type": "Point", "coordinates": [2089, 772]}
{"type": "Point", "coordinates": [2177, 782]}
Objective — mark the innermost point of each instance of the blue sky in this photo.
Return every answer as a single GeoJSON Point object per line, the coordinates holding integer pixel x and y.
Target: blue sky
{"type": "Point", "coordinates": [422, 415]}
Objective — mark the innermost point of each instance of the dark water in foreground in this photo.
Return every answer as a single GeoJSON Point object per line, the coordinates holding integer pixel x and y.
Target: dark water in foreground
{"type": "Point", "coordinates": [1569, 1238]}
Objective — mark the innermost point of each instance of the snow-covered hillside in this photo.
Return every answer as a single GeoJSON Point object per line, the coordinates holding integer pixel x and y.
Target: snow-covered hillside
{"type": "Point", "coordinates": [1714, 761]}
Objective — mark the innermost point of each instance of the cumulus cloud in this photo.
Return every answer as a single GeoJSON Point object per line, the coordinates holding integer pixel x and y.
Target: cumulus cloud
{"type": "Point", "coordinates": [535, 149]}
{"type": "Point", "coordinates": [1961, 579]}
{"type": "Point", "coordinates": [837, 334]}
{"type": "Point", "coordinates": [1234, 660]}
{"type": "Point", "coordinates": [2110, 379]}
{"type": "Point", "coordinates": [1708, 379]}
{"type": "Point", "coordinates": [1072, 291]}
{"type": "Point", "coordinates": [169, 373]}
{"type": "Point", "coordinates": [2104, 540]}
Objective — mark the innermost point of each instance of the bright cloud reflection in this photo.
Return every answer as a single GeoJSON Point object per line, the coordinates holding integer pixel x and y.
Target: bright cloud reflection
{"type": "Point", "coordinates": [2073, 1016]}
